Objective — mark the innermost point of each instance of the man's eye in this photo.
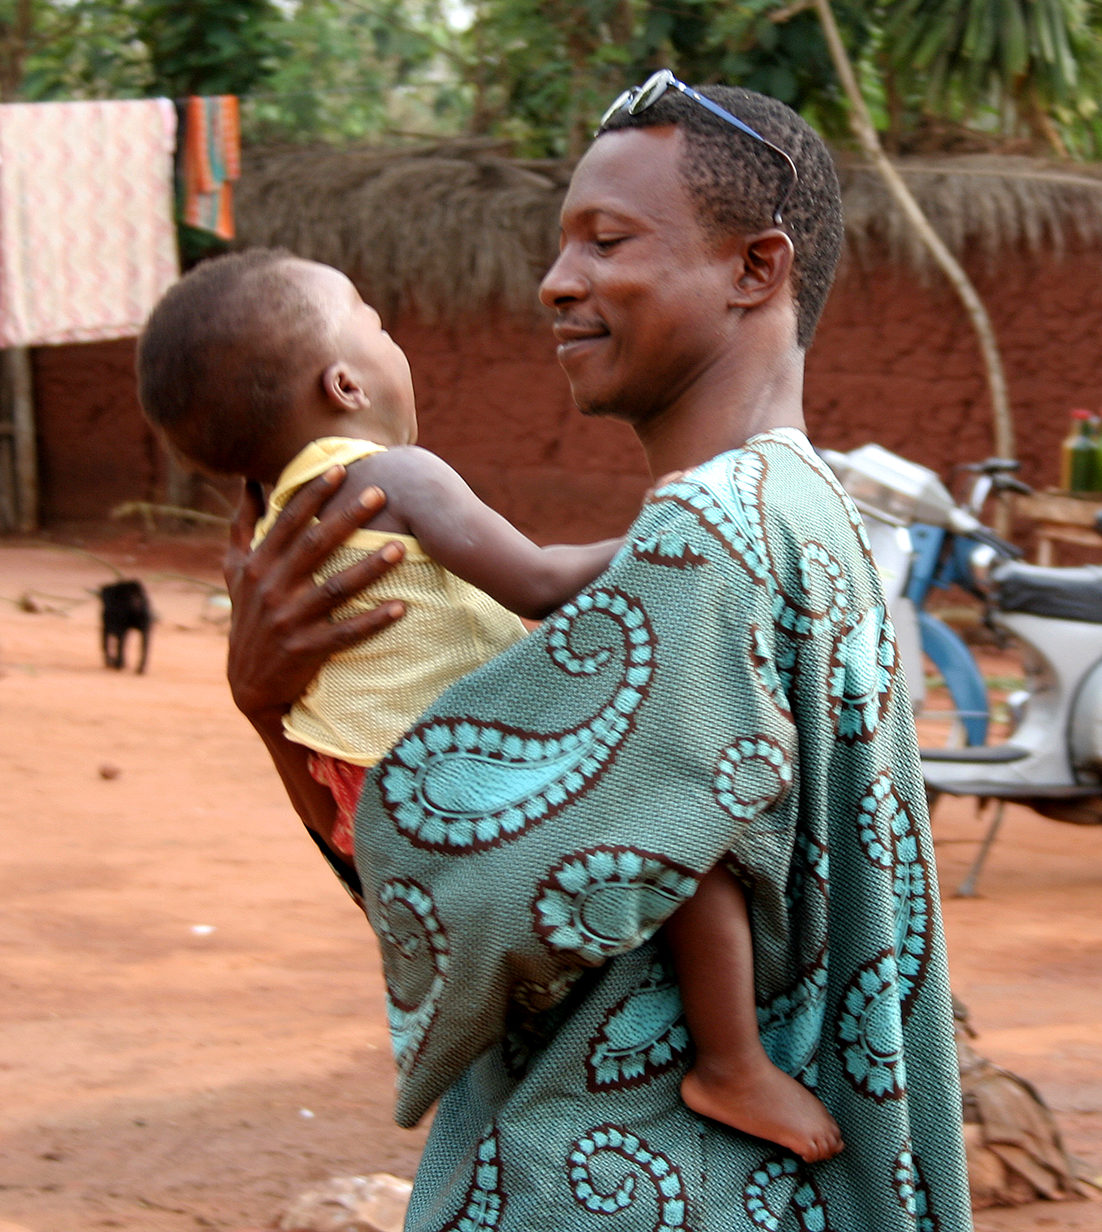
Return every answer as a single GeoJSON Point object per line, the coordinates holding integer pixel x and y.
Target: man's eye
{"type": "Point", "coordinates": [605, 243]}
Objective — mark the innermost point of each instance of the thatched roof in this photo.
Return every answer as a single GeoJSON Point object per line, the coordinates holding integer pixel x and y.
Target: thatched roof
{"type": "Point", "coordinates": [438, 231]}
{"type": "Point", "coordinates": [454, 229]}
{"type": "Point", "coordinates": [990, 203]}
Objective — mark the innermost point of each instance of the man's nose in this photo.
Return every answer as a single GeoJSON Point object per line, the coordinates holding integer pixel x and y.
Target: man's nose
{"type": "Point", "coordinates": [563, 282]}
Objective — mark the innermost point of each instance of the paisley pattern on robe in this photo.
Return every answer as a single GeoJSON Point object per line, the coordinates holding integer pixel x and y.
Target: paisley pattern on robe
{"type": "Point", "coordinates": [727, 692]}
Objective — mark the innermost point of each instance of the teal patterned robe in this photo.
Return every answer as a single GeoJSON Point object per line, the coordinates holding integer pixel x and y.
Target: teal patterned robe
{"type": "Point", "coordinates": [726, 691]}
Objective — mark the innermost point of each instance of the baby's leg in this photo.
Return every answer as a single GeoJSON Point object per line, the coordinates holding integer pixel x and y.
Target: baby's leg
{"type": "Point", "coordinates": [732, 1079]}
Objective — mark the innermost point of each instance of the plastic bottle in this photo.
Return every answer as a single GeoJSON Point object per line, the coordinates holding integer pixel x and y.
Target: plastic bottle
{"type": "Point", "coordinates": [1078, 456]}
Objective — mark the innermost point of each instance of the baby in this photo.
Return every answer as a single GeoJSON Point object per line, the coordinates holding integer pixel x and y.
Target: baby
{"type": "Point", "coordinates": [267, 366]}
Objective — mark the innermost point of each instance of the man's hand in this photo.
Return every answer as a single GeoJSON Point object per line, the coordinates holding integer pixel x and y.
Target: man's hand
{"type": "Point", "coordinates": [280, 633]}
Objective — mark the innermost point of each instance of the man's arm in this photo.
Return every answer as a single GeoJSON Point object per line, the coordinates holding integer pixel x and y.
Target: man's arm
{"type": "Point", "coordinates": [281, 633]}
{"type": "Point", "coordinates": [473, 541]}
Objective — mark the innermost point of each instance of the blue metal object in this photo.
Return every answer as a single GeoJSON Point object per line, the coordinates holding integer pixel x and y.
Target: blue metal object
{"type": "Point", "coordinates": [926, 544]}
{"type": "Point", "coordinates": [945, 648]}
{"type": "Point", "coordinates": [957, 665]}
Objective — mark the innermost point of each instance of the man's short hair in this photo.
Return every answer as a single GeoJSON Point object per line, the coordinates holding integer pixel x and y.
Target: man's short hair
{"type": "Point", "coordinates": [219, 356]}
{"type": "Point", "coordinates": [737, 182]}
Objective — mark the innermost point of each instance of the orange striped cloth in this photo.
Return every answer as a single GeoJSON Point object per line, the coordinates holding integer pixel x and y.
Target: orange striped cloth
{"type": "Point", "coordinates": [211, 162]}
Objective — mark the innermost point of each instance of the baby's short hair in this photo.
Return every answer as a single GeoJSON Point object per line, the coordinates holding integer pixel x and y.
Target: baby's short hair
{"type": "Point", "coordinates": [218, 358]}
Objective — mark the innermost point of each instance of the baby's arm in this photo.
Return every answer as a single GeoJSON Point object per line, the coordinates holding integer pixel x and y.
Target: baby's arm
{"type": "Point", "coordinates": [471, 540]}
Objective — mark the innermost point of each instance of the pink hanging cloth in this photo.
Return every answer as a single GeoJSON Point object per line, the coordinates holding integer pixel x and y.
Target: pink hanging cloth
{"type": "Point", "coordinates": [87, 235]}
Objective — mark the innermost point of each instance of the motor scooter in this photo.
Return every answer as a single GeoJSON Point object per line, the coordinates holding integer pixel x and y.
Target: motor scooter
{"type": "Point", "coordinates": [1052, 759]}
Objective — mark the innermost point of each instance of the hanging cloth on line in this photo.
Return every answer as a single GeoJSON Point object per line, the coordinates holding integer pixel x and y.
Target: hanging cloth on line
{"type": "Point", "coordinates": [208, 161]}
{"type": "Point", "coordinates": [87, 238]}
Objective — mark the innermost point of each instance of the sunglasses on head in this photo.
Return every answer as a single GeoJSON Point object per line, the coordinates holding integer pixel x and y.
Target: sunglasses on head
{"type": "Point", "coordinates": [639, 98]}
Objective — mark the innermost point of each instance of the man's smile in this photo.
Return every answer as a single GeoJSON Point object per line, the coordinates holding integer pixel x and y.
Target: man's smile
{"type": "Point", "coordinates": [573, 335]}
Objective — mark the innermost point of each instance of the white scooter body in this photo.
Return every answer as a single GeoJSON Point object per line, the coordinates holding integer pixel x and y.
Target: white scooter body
{"type": "Point", "coordinates": [1053, 759]}
{"type": "Point", "coordinates": [893, 552]}
{"type": "Point", "coordinates": [1055, 753]}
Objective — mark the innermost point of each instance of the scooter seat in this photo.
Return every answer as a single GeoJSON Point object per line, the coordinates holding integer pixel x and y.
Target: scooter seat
{"type": "Point", "coordinates": [1073, 593]}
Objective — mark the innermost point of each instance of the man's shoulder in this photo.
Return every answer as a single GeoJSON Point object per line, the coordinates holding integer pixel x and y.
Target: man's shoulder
{"type": "Point", "coordinates": [773, 475]}
{"type": "Point", "coordinates": [768, 511]}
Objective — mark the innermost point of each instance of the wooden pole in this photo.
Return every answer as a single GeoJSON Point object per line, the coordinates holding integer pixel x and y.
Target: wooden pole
{"type": "Point", "coordinates": [19, 389]}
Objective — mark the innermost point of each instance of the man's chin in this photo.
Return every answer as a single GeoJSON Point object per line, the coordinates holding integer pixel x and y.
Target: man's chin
{"type": "Point", "coordinates": [593, 406]}
{"type": "Point", "coordinates": [597, 403]}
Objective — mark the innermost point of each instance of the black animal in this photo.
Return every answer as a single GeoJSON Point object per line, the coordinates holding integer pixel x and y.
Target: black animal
{"type": "Point", "coordinates": [126, 606]}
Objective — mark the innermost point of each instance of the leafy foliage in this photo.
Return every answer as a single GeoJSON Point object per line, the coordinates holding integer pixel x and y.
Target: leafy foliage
{"type": "Point", "coordinates": [135, 48]}
{"type": "Point", "coordinates": [207, 46]}
{"type": "Point", "coordinates": [541, 71]}
{"type": "Point", "coordinates": [358, 68]}
{"type": "Point", "coordinates": [538, 73]}
{"type": "Point", "coordinates": [86, 49]}
{"type": "Point", "coordinates": [1009, 66]}
{"type": "Point", "coordinates": [976, 46]}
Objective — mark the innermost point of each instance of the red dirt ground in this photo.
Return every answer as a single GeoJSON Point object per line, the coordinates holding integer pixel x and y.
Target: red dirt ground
{"type": "Point", "coordinates": [190, 1027]}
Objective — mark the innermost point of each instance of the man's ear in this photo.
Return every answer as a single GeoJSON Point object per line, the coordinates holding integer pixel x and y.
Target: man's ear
{"type": "Point", "coordinates": [342, 388]}
{"type": "Point", "coordinates": [763, 265]}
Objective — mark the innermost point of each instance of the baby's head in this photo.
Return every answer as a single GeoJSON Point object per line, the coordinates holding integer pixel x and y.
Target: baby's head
{"type": "Point", "coordinates": [250, 356]}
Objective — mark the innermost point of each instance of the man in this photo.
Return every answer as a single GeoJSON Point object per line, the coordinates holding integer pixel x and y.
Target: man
{"type": "Point", "coordinates": [725, 694]}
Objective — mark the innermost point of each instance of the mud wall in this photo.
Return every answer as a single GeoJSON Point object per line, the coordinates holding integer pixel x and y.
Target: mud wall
{"type": "Point", "coordinates": [895, 361]}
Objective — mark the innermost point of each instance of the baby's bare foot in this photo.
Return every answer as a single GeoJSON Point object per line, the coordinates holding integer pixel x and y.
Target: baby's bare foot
{"type": "Point", "coordinates": [768, 1103]}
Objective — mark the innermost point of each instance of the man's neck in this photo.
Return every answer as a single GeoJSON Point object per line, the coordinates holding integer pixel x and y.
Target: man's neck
{"type": "Point", "coordinates": [726, 417]}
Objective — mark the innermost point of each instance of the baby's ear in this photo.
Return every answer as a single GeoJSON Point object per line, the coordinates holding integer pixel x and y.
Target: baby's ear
{"type": "Point", "coordinates": [343, 389]}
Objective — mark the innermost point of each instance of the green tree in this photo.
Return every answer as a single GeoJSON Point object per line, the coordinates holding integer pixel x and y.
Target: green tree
{"type": "Point", "coordinates": [361, 68]}
{"type": "Point", "coordinates": [306, 69]}
{"type": "Point", "coordinates": [208, 46]}
{"type": "Point", "coordinates": [865, 133]}
{"type": "Point", "coordinates": [541, 71]}
{"type": "Point", "coordinates": [16, 27]}
{"type": "Point", "coordinates": [136, 48]}
{"type": "Point", "coordinates": [86, 49]}
{"type": "Point", "coordinates": [1006, 64]}
{"type": "Point", "coordinates": [1011, 66]}
{"type": "Point", "coordinates": [772, 48]}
